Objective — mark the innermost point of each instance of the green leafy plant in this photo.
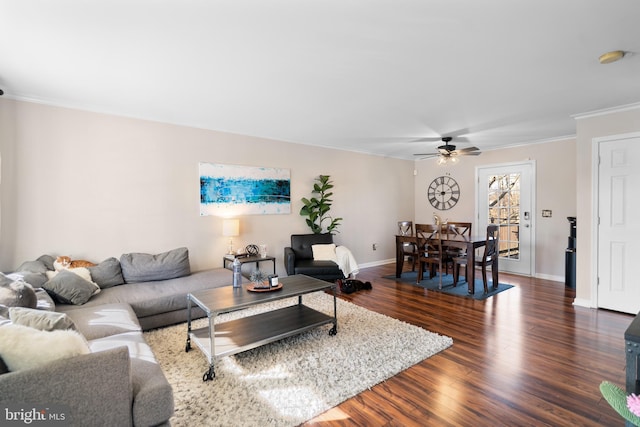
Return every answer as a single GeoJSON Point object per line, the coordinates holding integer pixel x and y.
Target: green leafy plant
{"type": "Point", "coordinates": [316, 209]}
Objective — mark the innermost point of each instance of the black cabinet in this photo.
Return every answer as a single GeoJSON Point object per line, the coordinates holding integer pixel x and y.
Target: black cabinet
{"type": "Point", "coordinates": [570, 256]}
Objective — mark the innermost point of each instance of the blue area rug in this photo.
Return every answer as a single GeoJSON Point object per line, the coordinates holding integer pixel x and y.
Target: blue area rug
{"type": "Point", "coordinates": [461, 290]}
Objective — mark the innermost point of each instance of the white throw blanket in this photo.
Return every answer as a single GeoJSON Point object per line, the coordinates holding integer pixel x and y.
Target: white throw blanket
{"type": "Point", "coordinates": [346, 262]}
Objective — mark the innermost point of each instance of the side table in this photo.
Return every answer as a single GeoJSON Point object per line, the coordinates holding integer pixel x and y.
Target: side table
{"type": "Point", "coordinates": [227, 261]}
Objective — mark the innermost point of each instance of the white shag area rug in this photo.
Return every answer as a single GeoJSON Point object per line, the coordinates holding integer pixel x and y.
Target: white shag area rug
{"type": "Point", "coordinates": [295, 379]}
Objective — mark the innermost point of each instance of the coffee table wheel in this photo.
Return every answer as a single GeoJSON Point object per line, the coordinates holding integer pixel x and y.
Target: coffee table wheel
{"type": "Point", "coordinates": [188, 346]}
{"type": "Point", "coordinates": [209, 375]}
{"type": "Point", "coordinates": [333, 330]}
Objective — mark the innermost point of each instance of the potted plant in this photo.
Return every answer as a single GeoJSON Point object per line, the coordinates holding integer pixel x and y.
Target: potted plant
{"type": "Point", "coordinates": [317, 209]}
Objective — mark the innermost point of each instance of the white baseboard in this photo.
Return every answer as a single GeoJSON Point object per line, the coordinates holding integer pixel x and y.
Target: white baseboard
{"type": "Point", "coordinates": [550, 277]}
{"type": "Point", "coordinates": [377, 263]}
{"type": "Point", "coordinates": [582, 303]}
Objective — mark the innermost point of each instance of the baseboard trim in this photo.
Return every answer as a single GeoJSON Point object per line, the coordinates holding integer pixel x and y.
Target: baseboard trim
{"type": "Point", "coordinates": [579, 302]}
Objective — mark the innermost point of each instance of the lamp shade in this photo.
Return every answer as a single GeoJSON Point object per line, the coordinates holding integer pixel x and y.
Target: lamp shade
{"type": "Point", "coordinates": [231, 227]}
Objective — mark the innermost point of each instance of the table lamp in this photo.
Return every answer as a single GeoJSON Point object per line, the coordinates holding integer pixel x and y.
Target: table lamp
{"type": "Point", "coordinates": [230, 229]}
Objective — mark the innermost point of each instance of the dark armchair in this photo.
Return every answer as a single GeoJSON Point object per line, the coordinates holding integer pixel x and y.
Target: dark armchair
{"type": "Point", "coordinates": [298, 258]}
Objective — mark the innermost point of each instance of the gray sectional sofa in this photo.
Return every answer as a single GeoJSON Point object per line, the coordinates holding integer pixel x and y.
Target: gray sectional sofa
{"type": "Point", "coordinates": [118, 382]}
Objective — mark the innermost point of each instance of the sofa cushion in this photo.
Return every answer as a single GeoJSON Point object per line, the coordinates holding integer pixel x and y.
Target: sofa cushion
{"type": "Point", "coordinates": [104, 320]}
{"type": "Point", "coordinates": [318, 268]}
{"type": "Point", "coordinates": [163, 296]}
{"type": "Point", "coordinates": [39, 319]}
{"type": "Point", "coordinates": [22, 347]}
{"type": "Point", "coordinates": [141, 267]}
{"type": "Point", "coordinates": [107, 274]}
{"type": "Point", "coordinates": [152, 393]}
{"type": "Point", "coordinates": [69, 288]}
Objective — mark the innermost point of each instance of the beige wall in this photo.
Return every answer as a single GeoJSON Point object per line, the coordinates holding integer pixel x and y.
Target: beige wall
{"type": "Point", "coordinates": [556, 191]}
{"type": "Point", "coordinates": [590, 127]}
{"type": "Point", "coordinates": [94, 185]}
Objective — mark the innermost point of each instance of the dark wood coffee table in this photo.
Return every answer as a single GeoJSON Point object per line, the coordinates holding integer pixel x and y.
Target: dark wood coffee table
{"type": "Point", "coordinates": [235, 336]}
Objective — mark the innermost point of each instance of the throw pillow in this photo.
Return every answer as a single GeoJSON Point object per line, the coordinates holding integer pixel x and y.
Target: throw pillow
{"type": "Point", "coordinates": [33, 267]}
{"type": "Point", "coordinates": [107, 274]}
{"type": "Point", "coordinates": [42, 320]}
{"type": "Point", "coordinates": [140, 267]}
{"type": "Point", "coordinates": [47, 260]}
{"type": "Point", "coordinates": [45, 302]}
{"type": "Point", "coordinates": [22, 347]}
{"type": "Point", "coordinates": [5, 280]}
{"type": "Point", "coordinates": [67, 287]}
{"type": "Point", "coordinates": [18, 294]}
{"type": "Point", "coordinates": [324, 252]}
{"type": "Point", "coordinates": [34, 279]}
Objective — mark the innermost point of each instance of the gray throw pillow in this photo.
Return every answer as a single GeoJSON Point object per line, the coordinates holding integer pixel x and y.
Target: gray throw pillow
{"type": "Point", "coordinates": [4, 280]}
{"type": "Point", "coordinates": [45, 302]}
{"type": "Point", "coordinates": [69, 288]}
{"type": "Point", "coordinates": [47, 260]}
{"type": "Point", "coordinates": [107, 274]}
{"type": "Point", "coordinates": [18, 294]}
{"type": "Point", "coordinates": [33, 267]}
{"type": "Point", "coordinates": [43, 320]}
{"type": "Point", "coordinates": [140, 267]}
{"type": "Point", "coordinates": [34, 279]}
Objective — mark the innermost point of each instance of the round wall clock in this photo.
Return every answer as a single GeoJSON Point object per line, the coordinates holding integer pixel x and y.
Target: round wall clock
{"type": "Point", "coordinates": [443, 193]}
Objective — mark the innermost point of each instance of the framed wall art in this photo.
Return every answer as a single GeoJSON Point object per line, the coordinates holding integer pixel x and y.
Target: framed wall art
{"type": "Point", "coordinates": [243, 190]}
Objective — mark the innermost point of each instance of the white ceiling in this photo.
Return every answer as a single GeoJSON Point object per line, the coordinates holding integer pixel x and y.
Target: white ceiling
{"type": "Point", "coordinates": [362, 75]}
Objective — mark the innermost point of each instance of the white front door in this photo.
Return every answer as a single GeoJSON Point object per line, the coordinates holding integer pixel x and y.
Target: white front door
{"type": "Point", "coordinates": [618, 232]}
{"type": "Point", "coordinates": [505, 197]}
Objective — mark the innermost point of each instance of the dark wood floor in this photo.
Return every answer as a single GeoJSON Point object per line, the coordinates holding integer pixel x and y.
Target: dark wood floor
{"type": "Point", "coordinates": [525, 357]}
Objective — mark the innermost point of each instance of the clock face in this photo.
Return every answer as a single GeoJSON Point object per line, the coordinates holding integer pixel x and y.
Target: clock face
{"type": "Point", "coordinates": [443, 193]}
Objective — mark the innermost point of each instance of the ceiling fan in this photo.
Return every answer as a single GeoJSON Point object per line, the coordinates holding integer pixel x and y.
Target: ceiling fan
{"type": "Point", "coordinates": [448, 153]}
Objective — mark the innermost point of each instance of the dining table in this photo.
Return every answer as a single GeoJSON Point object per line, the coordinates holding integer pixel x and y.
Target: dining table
{"type": "Point", "coordinates": [469, 243]}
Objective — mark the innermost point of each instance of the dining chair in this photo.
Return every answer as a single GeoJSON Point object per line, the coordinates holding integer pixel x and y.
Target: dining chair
{"type": "Point", "coordinates": [430, 250]}
{"type": "Point", "coordinates": [453, 229]}
{"type": "Point", "coordinates": [489, 255]}
{"type": "Point", "coordinates": [409, 249]}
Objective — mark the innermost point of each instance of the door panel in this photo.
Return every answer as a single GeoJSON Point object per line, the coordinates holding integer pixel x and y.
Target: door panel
{"type": "Point", "coordinates": [618, 229]}
{"type": "Point", "coordinates": [505, 198]}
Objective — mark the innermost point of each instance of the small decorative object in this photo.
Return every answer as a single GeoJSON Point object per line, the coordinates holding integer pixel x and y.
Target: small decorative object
{"type": "Point", "coordinates": [273, 280]}
{"type": "Point", "coordinates": [627, 406]}
{"type": "Point", "coordinates": [252, 250]}
{"type": "Point", "coordinates": [633, 403]}
{"type": "Point", "coordinates": [237, 273]}
{"type": "Point", "coordinates": [263, 250]}
{"type": "Point", "coordinates": [260, 280]}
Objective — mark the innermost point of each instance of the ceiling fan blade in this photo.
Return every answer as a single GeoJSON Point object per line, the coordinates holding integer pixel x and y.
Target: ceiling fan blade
{"type": "Point", "coordinates": [427, 154]}
{"type": "Point", "coordinates": [468, 149]}
{"type": "Point", "coordinates": [428, 139]}
{"type": "Point", "coordinates": [470, 153]}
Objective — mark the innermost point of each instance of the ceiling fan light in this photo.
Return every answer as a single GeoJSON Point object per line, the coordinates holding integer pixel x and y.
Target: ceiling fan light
{"type": "Point", "coordinates": [454, 159]}
{"type": "Point", "coordinates": [442, 160]}
{"type": "Point", "coordinates": [613, 56]}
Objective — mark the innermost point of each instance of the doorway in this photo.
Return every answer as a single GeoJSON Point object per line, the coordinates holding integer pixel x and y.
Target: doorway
{"type": "Point", "coordinates": [505, 197]}
{"type": "Point", "coordinates": [617, 231]}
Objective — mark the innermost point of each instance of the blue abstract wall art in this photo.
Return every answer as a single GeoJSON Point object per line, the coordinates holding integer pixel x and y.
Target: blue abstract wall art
{"type": "Point", "coordinates": [230, 190]}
